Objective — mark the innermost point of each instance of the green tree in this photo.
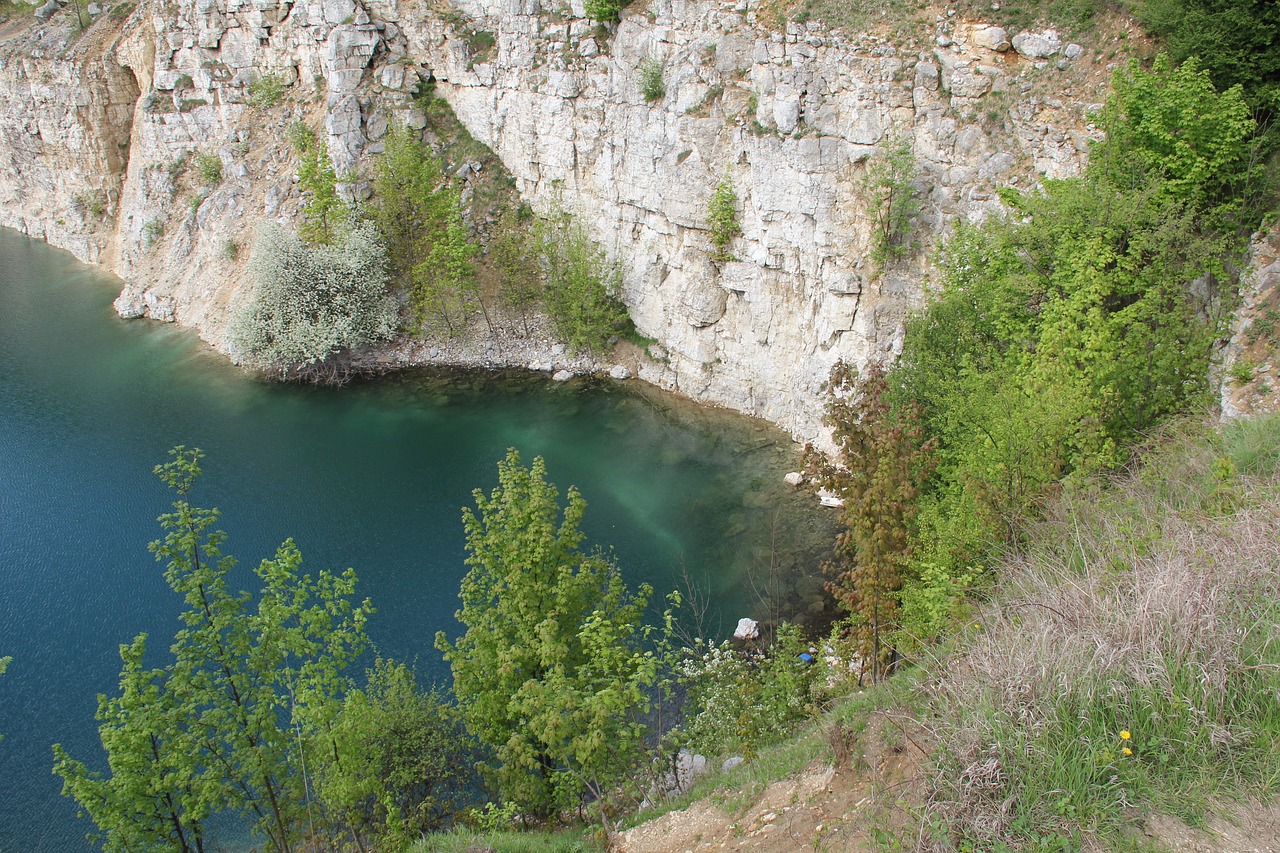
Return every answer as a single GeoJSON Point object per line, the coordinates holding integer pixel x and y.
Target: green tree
{"type": "Point", "coordinates": [513, 259]}
{"type": "Point", "coordinates": [883, 460]}
{"type": "Point", "coordinates": [221, 727]}
{"type": "Point", "coordinates": [419, 214]}
{"type": "Point", "coordinates": [892, 201]}
{"type": "Point", "coordinates": [323, 212]}
{"type": "Point", "coordinates": [549, 673]}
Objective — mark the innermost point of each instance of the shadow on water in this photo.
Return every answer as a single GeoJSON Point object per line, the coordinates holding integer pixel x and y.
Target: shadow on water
{"type": "Point", "coordinates": [373, 475]}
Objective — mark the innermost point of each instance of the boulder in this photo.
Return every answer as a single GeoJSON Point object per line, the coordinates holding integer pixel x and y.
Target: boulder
{"type": "Point", "coordinates": [992, 38]}
{"type": "Point", "coordinates": [1037, 45]}
{"type": "Point", "coordinates": [794, 479]}
{"type": "Point", "coordinates": [620, 371]}
{"type": "Point", "coordinates": [562, 375]}
{"type": "Point", "coordinates": [748, 629]}
{"type": "Point", "coordinates": [46, 11]}
{"type": "Point", "coordinates": [730, 763]}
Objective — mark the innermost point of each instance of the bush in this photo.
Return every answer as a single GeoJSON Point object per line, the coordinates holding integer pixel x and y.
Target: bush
{"type": "Point", "coordinates": [604, 10]}
{"type": "Point", "coordinates": [266, 91]}
{"type": "Point", "coordinates": [722, 219]}
{"type": "Point", "coordinates": [408, 763]}
{"type": "Point", "coordinates": [312, 304]}
{"type": "Point", "coordinates": [741, 700]}
{"type": "Point", "coordinates": [651, 85]}
{"type": "Point", "coordinates": [581, 286]}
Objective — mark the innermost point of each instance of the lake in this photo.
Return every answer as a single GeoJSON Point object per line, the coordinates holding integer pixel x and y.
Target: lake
{"type": "Point", "coordinates": [372, 475]}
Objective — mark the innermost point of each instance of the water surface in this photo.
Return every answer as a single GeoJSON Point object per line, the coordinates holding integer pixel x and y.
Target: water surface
{"type": "Point", "coordinates": [373, 476]}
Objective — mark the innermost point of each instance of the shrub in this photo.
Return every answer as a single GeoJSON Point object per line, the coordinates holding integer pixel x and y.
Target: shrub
{"type": "Point", "coordinates": [739, 700]}
{"type": "Point", "coordinates": [209, 169]}
{"type": "Point", "coordinates": [722, 218]}
{"type": "Point", "coordinates": [651, 85]}
{"type": "Point", "coordinates": [266, 91]}
{"type": "Point", "coordinates": [604, 10]}
{"type": "Point", "coordinates": [152, 231]}
{"type": "Point", "coordinates": [312, 304]}
{"type": "Point", "coordinates": [581, 286]}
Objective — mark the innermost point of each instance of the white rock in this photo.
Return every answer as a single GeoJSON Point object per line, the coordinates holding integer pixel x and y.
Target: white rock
{"type": "Point", "coordinates": [992, 38]}
{"type": "Point", "coordinates": [562, 375]}
{"type": "Point", "coordinates": [620, 371]}
{"type": "Point", "coordinates": [1037, 45]}
{"type": "Point", "coordinates": [1073, 51]}
{"type": "Point", "coordinates": [793, 479]}
{"type": "Point", "coordinates": [827, 498]}
{"type": "Point", "coordinates": [748, 629]}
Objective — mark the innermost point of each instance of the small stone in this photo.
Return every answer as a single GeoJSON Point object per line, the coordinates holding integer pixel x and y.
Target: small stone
{"type": "Point", "coordinates": [944, 41]}
{"type": "Point", "coordinates": [1073, 51]}
{"type": "Point", "coordinates": [748, 629]}
{"type": "Point", "coordinates": [730, 763]}
{"type": "Point", "coordinates": [794, 479]}
{"type": "Point", "coordinates": [620, 372]}
{"type": "Point", "coordinates": [562, 375]}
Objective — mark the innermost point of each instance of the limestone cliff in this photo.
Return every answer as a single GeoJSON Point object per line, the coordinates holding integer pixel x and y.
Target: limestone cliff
{"type": "Point", "coordinates": [98, 135]}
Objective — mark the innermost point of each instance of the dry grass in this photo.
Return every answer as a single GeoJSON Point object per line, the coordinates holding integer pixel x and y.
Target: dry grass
{"type": "Point", "coordinates": [1147, 607]}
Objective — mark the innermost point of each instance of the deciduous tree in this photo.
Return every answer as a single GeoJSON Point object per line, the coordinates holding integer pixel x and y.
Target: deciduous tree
{"type": "Point", "coordinates": [549, 673]}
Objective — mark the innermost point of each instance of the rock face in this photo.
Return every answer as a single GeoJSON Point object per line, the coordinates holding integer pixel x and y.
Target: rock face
{"type": "Point", "coordinates": [792, 118]}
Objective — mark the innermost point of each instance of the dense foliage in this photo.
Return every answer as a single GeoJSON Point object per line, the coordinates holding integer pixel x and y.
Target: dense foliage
{"type": "Point", "coordinates": [312, 304]}
{"type": "Point", "coordinates": [1061, 334]}
{"type": "Point", "coordinates": [549, 673]}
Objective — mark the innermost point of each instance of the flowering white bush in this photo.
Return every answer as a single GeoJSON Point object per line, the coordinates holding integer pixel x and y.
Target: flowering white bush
{"type": "Point", "coordinates": [312, 302]}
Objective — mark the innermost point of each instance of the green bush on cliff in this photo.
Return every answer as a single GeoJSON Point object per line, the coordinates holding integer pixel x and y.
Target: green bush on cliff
{"type": "Point", "coordinates": [313, 304]}
{"type": "Point", "coordinates": [581, 292]}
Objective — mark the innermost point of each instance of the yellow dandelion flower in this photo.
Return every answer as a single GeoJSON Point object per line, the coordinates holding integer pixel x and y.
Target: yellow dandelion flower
{"type": "Point", "coordinates": [1124, 735]}
{"type": "Point", "coordinates": [1127, 751]}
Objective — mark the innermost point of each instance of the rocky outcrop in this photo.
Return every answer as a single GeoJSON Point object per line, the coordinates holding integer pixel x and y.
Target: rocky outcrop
{"type": "Point", "coordinates": [790, 117]}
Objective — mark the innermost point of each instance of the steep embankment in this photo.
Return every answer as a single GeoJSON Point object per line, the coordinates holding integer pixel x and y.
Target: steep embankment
{"type": "Point", "coordinates": [99, 135]}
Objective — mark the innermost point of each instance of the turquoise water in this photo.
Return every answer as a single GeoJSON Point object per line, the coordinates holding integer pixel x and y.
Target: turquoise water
{"type": "Point", "coordinates": [372, 475]}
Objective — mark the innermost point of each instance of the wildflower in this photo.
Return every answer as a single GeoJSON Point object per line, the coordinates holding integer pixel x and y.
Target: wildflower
{"type": "Point", "coordinates": [1127, 751]}
{"type": "Point", "coordinates": [1124, 734]}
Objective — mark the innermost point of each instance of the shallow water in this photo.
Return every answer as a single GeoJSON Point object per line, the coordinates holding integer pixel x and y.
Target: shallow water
{"type": "Point", "coordinates": [372, 475]}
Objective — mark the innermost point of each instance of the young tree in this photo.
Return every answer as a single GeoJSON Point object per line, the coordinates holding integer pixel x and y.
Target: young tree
{"type": "Point", "coordinates": [323, 212]}
{"type": "Point", "coordinates": [582, 286]}
{"type": "Point", "coordinates": [549, 673]}
{"type": "Point", "coordinates": [418, 211]}
{"type": "Point", "coordinates": [882, 463]}
{"type": "Point", "coordinates": [221, 727]}
{"type": "Point", "coordinates": [892, 201]}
